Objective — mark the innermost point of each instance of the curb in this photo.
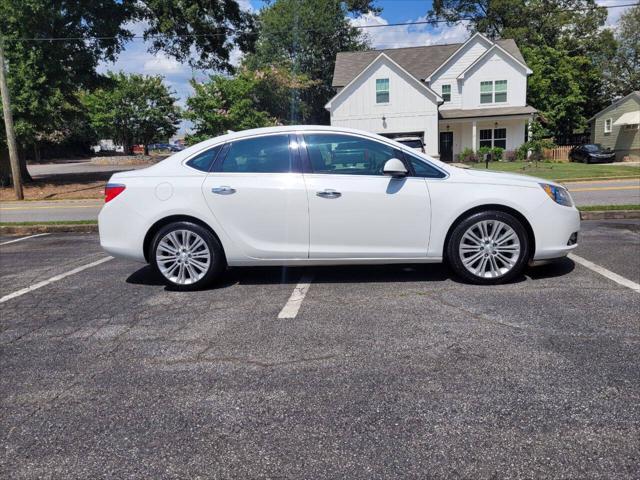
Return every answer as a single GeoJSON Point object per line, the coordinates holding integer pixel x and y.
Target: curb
{"type": "Point", "coordinates": [33, 229]}
{"type": "Point", "coordinates": [610, 215]}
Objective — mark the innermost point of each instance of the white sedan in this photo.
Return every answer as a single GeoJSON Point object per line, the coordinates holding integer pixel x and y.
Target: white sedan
{"type": "Point", "coordinates": [310, 195]}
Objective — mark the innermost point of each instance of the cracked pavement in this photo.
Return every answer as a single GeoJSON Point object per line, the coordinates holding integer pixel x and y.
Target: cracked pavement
{"type": "Point", "coordinates": [386, 371]}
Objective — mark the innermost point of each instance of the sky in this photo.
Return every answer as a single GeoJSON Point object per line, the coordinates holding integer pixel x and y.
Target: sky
{"type": "Point", "coordinates": [136, 59]}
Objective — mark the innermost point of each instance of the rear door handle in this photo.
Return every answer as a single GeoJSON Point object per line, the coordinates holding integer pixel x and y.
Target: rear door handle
{"type": "Point", "coordinates": [223, 190]}
{"type": "Point", "coordinates": [328, 193]}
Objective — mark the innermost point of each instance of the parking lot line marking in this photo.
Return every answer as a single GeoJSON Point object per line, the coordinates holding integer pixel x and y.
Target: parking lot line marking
{"type": "Point", "coordinates": [605, 273]}
{"type": "Point", "coordinates": [24, 238]}
{"type": "Point", "coordinates": [290, 309]}
{"type": "Point", "coordinates": [44, 283]}
{"type": "Point", "coordinates": [596, 189]}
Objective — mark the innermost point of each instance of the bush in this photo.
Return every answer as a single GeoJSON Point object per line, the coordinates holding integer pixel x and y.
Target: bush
{"type": "Point", "coordinates": [510, 155]}
{"type": "Point", "coordinates": [467, 155]}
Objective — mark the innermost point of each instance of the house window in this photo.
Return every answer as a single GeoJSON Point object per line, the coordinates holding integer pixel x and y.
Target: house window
{"type": "Point", "coordinates": [446, 93]}
{"type": "Point", "coordinates": [382, 90]}
{"type": "Point", "coordinates": [607, 125]}
{"type": "Point", "coordinates": [630, 127]}
{"type": "Point", "coordinates": [485, 138]}
{"type": "Point", "coordinates": [501, 91]}
{"type": "Point", "coordinates": [493, 138]}
{"type": "Point", "coordinates": [487, 90]}
{"type": "Point", "coordinates": [500, 138]}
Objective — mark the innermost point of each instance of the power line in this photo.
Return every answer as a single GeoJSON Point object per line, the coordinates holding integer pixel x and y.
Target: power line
{"type": "Point", "coordinates": [230, 31]}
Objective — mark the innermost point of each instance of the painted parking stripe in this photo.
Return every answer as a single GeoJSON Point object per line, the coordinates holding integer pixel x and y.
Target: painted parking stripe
{"type": "Point", "coordinates": [24, 238]}
{"type": "Point", "coordinates": [290, 310]}
{"type": "Point", "coordinates": [44, 283]}
{"type": "Point", "coordinates": [606, 273]}
{"type": "Point", "coordinates": [599, 189]}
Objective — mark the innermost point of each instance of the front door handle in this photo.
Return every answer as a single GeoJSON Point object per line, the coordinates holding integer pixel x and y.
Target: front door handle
{"type": "Point", "coordinates": [223, 190]}
{"type": "Point", "coordinates": [328, 193]}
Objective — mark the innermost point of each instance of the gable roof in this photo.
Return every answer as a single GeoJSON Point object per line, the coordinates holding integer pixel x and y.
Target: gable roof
{"type": "Point", "coordinates": [616, 103]}
{"type": "Point", "coordinates": [495, 47]}
{"type": "Point", "coordinates": [381, 57]}
{"type": "Point", "coordinates": [420, 62]}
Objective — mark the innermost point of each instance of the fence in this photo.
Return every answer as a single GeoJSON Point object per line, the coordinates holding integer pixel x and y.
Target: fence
{"type": "Point", "coordinates": [558, 154]}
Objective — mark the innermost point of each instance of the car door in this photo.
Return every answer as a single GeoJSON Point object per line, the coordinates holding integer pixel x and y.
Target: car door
{"type": "Point", "coordinates": [257, 193]}
{"type": "Point", "coordinates": [355, 211]}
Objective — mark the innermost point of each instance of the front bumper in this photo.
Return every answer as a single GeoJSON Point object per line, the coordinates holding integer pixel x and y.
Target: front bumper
{"type": "Point", "coordinates": [554, 225]}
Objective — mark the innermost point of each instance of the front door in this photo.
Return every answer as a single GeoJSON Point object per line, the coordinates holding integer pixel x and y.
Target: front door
{"type": "Point", "coordinates": [257, 193]}
{"type": "Point", "coordinates": [446, 146]}
{"type": "Point", "coordinates": [354, 210]}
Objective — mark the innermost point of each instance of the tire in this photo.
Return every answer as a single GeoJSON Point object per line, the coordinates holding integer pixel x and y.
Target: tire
{"type": "Point", "coordinates": [503, 261]}
{"type": "Point", "coordinates": [187, 256]}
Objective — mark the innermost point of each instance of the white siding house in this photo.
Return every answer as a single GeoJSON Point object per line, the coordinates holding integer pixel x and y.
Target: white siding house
{"type": "Point", "coordinates": [454, 96]}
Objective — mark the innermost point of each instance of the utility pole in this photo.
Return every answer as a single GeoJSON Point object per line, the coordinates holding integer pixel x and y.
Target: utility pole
{"type": "Point", "coordinates": [8, 123]}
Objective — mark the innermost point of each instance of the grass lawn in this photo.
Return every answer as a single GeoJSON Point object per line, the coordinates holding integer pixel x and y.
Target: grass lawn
{"type": "Point", "coordinates": [563, 171]}
{"type": "Point", "coordinates": [600, 208]}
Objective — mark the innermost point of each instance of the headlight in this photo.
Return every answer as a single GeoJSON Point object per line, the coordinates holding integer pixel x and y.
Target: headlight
{"type": "Point", "coordinates": [559, 195]}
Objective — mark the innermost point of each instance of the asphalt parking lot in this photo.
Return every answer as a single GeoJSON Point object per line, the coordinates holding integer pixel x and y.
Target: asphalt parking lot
{"type": "Point", "coordinates": [384, 372]}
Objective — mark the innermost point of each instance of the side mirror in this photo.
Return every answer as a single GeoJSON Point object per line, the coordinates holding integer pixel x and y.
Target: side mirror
{"type": "Point", "coordinates": [395, 168]}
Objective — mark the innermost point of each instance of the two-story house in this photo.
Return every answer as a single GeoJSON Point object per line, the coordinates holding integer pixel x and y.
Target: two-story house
{"type": "Point", "coordinates": [454, 96]}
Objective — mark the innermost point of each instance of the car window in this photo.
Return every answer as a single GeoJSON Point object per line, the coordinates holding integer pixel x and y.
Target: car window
{"type": "Point", "coordinates": [204, 160]}
{"type": "Point", "coordinates": [412, 143]}
{"type": "Point", "coordinates": [422, 168]}
{"type": "Point", "coordinates": [269, 154]}
{"type": "Point", "coordinates": [592, 148]}
{"type": "Point", "coordinates": [347, 155]}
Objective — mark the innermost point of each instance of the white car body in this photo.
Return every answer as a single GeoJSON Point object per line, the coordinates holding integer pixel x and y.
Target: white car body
{"type": "Point", "coordinates": [278, 218]}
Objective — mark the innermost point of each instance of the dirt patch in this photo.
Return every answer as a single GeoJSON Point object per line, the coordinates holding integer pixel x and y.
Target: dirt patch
{"type": "Point", "coordinates": [62, 187]}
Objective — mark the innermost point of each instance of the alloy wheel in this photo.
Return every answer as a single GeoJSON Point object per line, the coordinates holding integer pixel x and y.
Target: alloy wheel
{"type": "Point", "coordinates": [489, 249]}
{"type": "Point", "coordinates": [183, 257]}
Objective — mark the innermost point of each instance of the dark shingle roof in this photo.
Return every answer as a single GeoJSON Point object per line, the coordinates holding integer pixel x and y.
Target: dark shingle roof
{"type": "Point", "coordinates": [418, 61]}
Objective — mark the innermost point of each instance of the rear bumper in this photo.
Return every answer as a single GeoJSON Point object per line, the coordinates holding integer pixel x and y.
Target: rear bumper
{"type": "Point", "coordinates": [122, 231]}
{"type": "Point", "coordinates": [553, 225]}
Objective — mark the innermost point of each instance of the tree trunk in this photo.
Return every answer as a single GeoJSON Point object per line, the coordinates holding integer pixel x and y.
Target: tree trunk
{"type": "Point", "coordinates": [37, 157]}
{"type": "Point", "coordinates": [5, 167]}
{"type": "Point", "coordinates": [24, 172]}
{"type": "Point", "coordinates": [146, 149]}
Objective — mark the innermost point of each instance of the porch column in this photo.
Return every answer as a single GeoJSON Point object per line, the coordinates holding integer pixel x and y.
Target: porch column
{"type": "Point", "coordinates": [529, 122]}
{"type": "Point", "coordinates": [474, 136]}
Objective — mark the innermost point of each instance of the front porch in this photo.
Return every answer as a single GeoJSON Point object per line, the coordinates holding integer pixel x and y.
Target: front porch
{"type": "Point", "coordinates": [458, 131]}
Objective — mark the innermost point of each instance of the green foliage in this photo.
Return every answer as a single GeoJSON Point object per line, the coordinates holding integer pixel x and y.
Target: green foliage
{"type": "Point", "coordinates": [133, 109]}
{"type": "Point", "coordinates": [225, 103]}
{"type": "Point", "coordinates": [468, 155]}
{"type": "Point", "coordinates": [539, 140]}
{"type": "Point", "coordinates": [304, 36]}
{"type": "Point", "coordinates": [624, 68]}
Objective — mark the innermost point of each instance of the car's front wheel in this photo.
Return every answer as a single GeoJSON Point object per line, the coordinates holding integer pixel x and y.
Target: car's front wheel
{"type": "Point", "coordinates": [187, 256]}
{"type": "Point", "coordinates": [488, 247]}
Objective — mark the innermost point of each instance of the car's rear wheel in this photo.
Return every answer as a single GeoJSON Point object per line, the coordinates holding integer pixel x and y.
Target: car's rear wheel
{"type": "Point", "coordinates": [187, 256]}
{"type": "Point", "coordinates": [488, 248]}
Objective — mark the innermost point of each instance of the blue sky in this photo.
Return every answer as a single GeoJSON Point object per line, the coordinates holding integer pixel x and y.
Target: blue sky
{"type": "Point", "coordinates": [136, 59]}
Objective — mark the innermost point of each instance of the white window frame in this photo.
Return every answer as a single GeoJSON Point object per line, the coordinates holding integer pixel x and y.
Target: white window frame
{"type": "Point", "coordinates": [608, 125]}
{"type": "Point", "coordinates": [493, 137]}
{"type": "Point", "coordinates": [448, 93]}
{"type": "Point", "coordinates": [493, 92]}
{"type": "Point", "coordinates": [382, 91]}
{"type": "Point", "coordinates": [630, 127]}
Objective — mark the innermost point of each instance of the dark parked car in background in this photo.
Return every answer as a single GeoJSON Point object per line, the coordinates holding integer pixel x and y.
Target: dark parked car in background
{"type": "Point", "coordinates": [591, 153]}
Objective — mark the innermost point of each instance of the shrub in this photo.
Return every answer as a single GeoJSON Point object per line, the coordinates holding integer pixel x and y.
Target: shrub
{"type": "Point", "coordinates": [467, 155]}
{"type": "Point", "coordinates": [510, 155]}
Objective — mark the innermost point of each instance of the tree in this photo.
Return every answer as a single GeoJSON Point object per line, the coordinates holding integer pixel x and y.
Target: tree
{"type": "Point", "coordinates": [251, 99]}
{"type": "Point", "coordinates": [624, 72]}
{"type": "Point", "coordinates": [133, 109]}
{"type": "Point", "coordinates": [562, 41]}
{"type": "Point", "coordinates": [304, 36]}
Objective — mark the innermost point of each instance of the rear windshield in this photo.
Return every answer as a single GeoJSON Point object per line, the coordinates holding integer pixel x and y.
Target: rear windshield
{"type": "Point", "coordinates": [412, 143]}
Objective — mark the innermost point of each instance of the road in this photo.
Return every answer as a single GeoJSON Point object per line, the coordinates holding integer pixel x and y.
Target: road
{"type": "Point", "coordinates": [614, 192]}
{"type": "Point", "coordinates": [385, 371]}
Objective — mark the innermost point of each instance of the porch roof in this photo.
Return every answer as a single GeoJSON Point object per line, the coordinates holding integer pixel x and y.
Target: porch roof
{"type": "Point", "coordinates": [486, 112]}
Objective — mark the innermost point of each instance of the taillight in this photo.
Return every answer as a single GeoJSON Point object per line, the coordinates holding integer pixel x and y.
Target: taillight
{"type": "Point", "coordinates": [112, 190]}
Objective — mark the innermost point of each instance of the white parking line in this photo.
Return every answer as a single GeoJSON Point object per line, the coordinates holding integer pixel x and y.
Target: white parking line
{"type": "Point", "coordinates": [605, 273]}
{"type": "Point", "coordinates": [44, 283]}
{"type": "Point", "coordinates": [24, 238]}
{"type": "Point", "coordinates": [290, 310]}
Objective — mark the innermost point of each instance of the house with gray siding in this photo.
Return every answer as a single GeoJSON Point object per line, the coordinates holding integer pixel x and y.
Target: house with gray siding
{"type": "Point", "coordinates": [617, 127]}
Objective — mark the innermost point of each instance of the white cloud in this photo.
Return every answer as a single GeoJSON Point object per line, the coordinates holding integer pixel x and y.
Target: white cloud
{"type": "Point", "coordinates": [161, 65]}
{"type": "Point", "coordinates": [409, 35]}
